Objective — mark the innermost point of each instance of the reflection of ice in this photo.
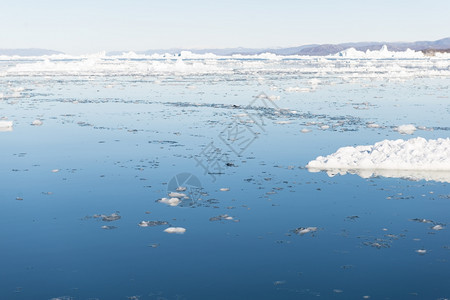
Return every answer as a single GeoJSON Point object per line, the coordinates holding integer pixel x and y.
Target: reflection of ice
{"type": "Point", "coordinates": [6, 129]}
{"type": "Point", "coordinates": [439, 176]}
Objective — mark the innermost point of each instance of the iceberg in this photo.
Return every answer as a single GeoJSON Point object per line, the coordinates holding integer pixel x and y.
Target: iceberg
{"type": "Point", "coordinates": [415, 159]}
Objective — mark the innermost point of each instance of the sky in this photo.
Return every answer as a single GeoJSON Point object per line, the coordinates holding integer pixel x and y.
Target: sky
{"type": "Point", "coordinates": [80, 27]}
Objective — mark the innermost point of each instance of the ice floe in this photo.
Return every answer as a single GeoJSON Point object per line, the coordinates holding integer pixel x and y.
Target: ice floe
{"type": "Point", "coordinates": [416, 159]}
{"type": "Point", "coordinates": [6, 125]}
{"type": "Point", "coordinates": [305, 230]}
{"type": "Point", "coordinates": [406, 129]}
{"type": "Point", "coordinates": [177, 230]}
{"type": "Point", "coordinates": [152, 223]}
{"type": "Point", "coordinates": [348, 64]}
{"type": "Point", "coordinates": [37, 122]}
{"type": "Point", "coordinates": [170, 201]}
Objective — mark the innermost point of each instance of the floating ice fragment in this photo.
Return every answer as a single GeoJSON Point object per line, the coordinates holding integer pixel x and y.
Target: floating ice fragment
{"type": "Point", "coordinates": [224, 189]}
{"type": "Point", "coordinates": [177, 230]}
{"type": "Point", "coordinates": [437, 227]}
{"type": "Point", "coordinates": [406, 129]}
{"type": "Point", "coordinates": [181, 189]}
{"type": "Point", "coordinates": [111, 217]}
{"type": "Point", "coordinates": [170, 201]}
{"type": "Point", "coordinates": [373, 125]}
{"type": "Point", "coordinates": [152, 223]}
{"type": "Point", "coordinates": [37, 122]}
{"type": "Point", "coordinates": [422, 220]}
{"type": "Point", "coordinates": [305, 130]}
{"type": "Point", "coordinates": [415, 159]}
{"type": "Point", "coordinates": [177, 195]}
{"type": "Point", "coordinates": [108, 227]}
{"type": "Point", "coordinates": [421, 251]}
{"type": "Point", "coordinates": [6, 123]}
{"type": "Point", "coordinates": [305, 230]}
{"type": "Point", "coordinates": [55, 170]}
{"type": "Point", "coordinates": [221, 217]}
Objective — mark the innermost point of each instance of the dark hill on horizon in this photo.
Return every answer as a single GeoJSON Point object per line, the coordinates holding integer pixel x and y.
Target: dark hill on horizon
{"type": "Point", "coordinates": [313, 49]}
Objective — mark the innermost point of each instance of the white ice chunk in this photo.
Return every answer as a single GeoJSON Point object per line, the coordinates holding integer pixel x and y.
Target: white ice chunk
{"type": "Point", "coordinates": [415, 159]}
{"type": "Point", "coordinates": [177, 195]}
{"type": "Point", "coordinates": [170, 201]}
{"type": "Point", "coordinates": [177, 230]}
{"type": "Point", "coordinates": [406, 129]}
{"type": "Point", "coordinates": [6, 124]}
{"type": "Point", "coordinates": [37, 122]}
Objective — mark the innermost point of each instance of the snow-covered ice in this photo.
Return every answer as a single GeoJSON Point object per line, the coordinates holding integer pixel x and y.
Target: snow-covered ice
{"type": "Point", "coordinates": [177, 230]}
{"type": "Point", "coordinates": [406, 129]}
{"type": "Point", "coordinates": [170, 201]}
{"type": "Point", "coordinates": [6, 124]}
{"type": "Point", "coordinates": [415, 158]}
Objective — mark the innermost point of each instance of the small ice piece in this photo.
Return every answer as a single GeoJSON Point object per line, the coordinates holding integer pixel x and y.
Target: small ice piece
{"type": "Point", "coordinates": [273, 98]}
{"type": "Point", "coordinates": [283, 122]}
{"type": "Point", "coordinates": [305, 230]}
{"type": "Point", "coordinates": [172, 201]}
{"type": "Point", "coordinates": [177, 195]}
{"type": "Point", "coordinates": [437, 227]}
{"type": "Point", "coordinates": [324, 127]}
{"type": "Point", "coordinates": [111, 217]}
{"type": "Point", "coordinates": [37, 122]}
{"type": "Point", "coordinates": [305, 130]}
{"type": "Point", "coordinates": [421, 251]}
{"type": "Point", "coordinates": [224, 189]}
{"type": "Point", "coordinates": [406, 129]}
{"type": "Point", "coordinates": [421, 220]}
{"type": "Point", "coordinates": [55, 170]}
{"type": "Point", "coordinates": [108, 227]}
{"type": "Point", "coordinates": [181, 189]}
{"type": "Point", "coordinates": [6, 124]}
{"type": "Point", "coordinates": [221, 217]}
{"type": "Point", "coordinates": [373, 125]}
{"type": "Point", "coordinates": [152, 223]}
{"type": "Point", "coordinates": [177, 230]}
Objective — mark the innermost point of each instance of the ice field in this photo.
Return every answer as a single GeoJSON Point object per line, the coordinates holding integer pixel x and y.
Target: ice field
{"type": "Point", "coordinates": [225, 177]}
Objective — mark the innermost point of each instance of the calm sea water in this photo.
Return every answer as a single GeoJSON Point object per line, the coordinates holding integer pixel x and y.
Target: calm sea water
{"type": "Point", "coordinates": [113, 145]}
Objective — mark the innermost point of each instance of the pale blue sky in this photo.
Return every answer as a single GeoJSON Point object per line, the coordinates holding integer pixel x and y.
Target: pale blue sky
{"type": "Point", "coordinates": [90, 26]}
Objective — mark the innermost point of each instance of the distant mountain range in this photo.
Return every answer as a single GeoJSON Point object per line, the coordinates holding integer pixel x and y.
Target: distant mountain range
{"type": "Point", "coordinates": [314, 49]}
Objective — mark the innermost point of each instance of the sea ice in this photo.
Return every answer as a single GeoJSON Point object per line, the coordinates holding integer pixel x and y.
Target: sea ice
{"type": "Point", "coordinates": [37, 122]}
{"type": "Point", "coordinates": [415, 159]}
{"type": "Point", "coordinates": [6, 124]}
{"type": "Point", "coordinates": [177, 195]}
{"type": "Point", "coordinates": [406, 129]}
{"type": "Point", "coordinates": [177, 230]}
{"type": "Point", "coordinates": [170, 201]}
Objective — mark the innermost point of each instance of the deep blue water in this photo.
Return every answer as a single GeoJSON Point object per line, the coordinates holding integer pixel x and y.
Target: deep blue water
{"type": "Point", "coordinates": [116, 150]}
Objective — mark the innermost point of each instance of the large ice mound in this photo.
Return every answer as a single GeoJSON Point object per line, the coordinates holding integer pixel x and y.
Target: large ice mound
{"type": "Point", "coordinates": [415, 159]}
